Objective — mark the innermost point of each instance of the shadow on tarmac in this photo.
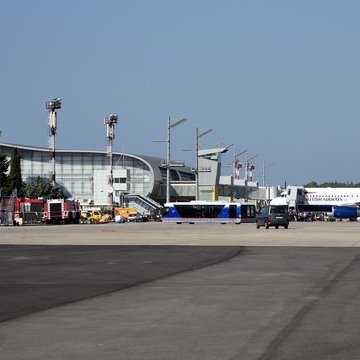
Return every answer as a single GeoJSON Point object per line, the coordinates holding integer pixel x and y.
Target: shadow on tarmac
{"type": "Point", "coordinates": [35, 278]}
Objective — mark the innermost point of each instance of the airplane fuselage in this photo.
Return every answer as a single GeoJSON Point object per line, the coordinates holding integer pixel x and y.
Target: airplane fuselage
{"type": "Point", "coordinates": [326, 198]}
{"type": "Point", "coordinates": [318, 199]}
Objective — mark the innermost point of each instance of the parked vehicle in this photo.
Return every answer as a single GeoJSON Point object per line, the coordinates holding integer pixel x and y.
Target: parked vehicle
{"type": "Point", "coordinates": [61, 210]}
{"type": "Point", "coordinates": [122, 213]}
{"type": "Point", "coordinates": [208, 211]}
{"type": "Point", "coordinates": [94, 216]}
{"type": "Point", "coordinates": [134, 217]}
{"type": "Point", "coordinates": [21, 210]}
{"type": "Point", "coordinates": [273, 215]}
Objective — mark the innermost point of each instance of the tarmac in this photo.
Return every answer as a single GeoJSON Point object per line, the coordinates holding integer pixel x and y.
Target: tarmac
{"type": "Point", "coordinates": [337, 234]}
{"type": "Point", "coordinates": [168, 291]}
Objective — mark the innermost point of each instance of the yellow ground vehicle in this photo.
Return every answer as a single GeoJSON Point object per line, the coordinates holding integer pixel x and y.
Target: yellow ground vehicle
{"type": "Point", "coordinates": [93, 217]}
{"type": "Point", "coordinates": [122, 213]}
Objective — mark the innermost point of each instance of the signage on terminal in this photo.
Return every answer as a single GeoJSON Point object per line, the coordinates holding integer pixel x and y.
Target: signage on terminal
{"type": "Point", "coordinates": [205, 169]}
{"type": "Point", "coordinates": [174, 164]}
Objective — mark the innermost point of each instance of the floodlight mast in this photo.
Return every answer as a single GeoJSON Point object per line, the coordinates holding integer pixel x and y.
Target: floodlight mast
{"type": "Point", "coordinates": [237, 164]}
{"type": "Point", "coordinates": [52, 106]}
{"type": "Point", "coordinates": [249, 167]}
{"type": "Point", "coordinates": [110, 122]}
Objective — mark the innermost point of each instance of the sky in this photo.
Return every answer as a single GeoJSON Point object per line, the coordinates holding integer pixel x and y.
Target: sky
{"type": "Point", "coordinates": [279, 79]}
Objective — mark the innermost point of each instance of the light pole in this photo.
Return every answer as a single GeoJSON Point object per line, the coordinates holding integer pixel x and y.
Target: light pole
{"type": "Point", "coordinates": [264, 168]}
{"type": "Point", "coordinates": [197, 159]}
{"type": "Point", "coordinates": [168, 164]}
{"type": "Point", "coordinates": [196, 169]}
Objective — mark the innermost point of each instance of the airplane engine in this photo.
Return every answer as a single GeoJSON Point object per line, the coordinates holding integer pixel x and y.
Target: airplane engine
{"type": "Point", "coordinates": [345, 212]}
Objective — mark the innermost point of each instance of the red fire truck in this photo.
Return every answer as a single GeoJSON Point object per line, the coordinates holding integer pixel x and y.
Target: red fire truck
{"type": "Point", "coordinates": [61, 211]}
{"type": "Point", "coordinates": [21, 210]}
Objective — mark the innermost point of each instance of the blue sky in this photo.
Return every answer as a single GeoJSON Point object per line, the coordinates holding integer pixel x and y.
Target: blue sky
{"type": "Point", "coordinates": [279, 78]}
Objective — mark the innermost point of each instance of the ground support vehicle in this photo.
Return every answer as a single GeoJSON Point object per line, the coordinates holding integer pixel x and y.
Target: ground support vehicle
{"type": "Point", "coordinates": [61, 211]}
{"type": "Point", "coordinates": [273, 215]}
{"type": "Point", "coordinates": [122, 213]}
{"type": "Point", "coordinates": [135, 217]}
{"type": "Point", "coordinates": [208, 211]}
{"type": "Point", "coordinates": [94, 216]}
{"type": "Point", "coordinates": [21, 210]}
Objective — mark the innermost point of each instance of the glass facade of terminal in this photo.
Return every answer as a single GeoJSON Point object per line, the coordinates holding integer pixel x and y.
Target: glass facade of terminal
{"type": "Point", "coordinates": [75, 170]}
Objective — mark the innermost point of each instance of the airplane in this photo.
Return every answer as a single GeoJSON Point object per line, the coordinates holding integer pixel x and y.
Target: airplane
{"type": "Point", "coordinates": [342, 203]}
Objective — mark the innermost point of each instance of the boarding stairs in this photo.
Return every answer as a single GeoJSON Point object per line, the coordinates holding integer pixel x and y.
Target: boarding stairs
{"type": "Point", "coordinates": [143, 204]}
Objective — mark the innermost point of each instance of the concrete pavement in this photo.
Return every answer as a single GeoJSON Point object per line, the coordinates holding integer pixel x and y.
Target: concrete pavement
{"type": "Point", "coordinates": [299, 234]}
{"type": "Point", "coordinates": [251, 302]}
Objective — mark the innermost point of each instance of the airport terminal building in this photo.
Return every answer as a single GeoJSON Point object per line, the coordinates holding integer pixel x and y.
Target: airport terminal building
{"type": "Point", "coordinates": [84, 174]}
{"type": "Point", "coordinates": [138, 180]}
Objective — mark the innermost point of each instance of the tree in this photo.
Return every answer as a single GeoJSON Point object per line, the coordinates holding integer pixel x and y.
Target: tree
{"type": "Point", "coordinates": [312, 184]}
{"type": "Point", "coordinates": [42, 188]}
{"type": "Point", "coordinates": [14, 177]}
{"type": "Point", "coordinates": [333, 184]}
{"type": "Point", "coordinates": [4, 165]}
